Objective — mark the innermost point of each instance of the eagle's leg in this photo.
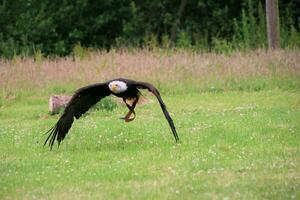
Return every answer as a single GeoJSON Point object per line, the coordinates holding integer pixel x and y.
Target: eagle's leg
{"type": "Point", "coordinates": [127, 117]}
{"type": "Point", "coordinates": [131, 110]}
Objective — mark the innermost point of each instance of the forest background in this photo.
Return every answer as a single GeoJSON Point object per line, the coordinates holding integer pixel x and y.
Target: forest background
{"type": "Point", "coordinates": [58, 28]}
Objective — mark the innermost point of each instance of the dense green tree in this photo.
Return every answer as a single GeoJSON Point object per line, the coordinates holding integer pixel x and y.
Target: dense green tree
{"type": "Point", "coordinates": [56, 26]}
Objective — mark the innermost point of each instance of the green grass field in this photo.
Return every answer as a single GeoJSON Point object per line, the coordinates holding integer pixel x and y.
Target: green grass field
{"type": "Point", "coordinates": [236, 143]}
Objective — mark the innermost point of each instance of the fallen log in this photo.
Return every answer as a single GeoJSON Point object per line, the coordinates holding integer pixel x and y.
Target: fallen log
{"type": "Point", "coordinates": [57, 102]}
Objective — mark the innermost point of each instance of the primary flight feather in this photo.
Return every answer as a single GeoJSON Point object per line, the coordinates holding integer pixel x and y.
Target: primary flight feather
{"type": "Point", "coordinates": [84, 98]}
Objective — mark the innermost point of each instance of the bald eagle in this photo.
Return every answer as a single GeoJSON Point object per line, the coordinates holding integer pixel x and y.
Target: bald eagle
{"type": "Point", "coordinates": [84, 98]}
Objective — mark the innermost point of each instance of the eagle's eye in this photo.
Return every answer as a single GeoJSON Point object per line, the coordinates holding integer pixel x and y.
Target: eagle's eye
{"type": "Point", "coordinates": [116, 86]}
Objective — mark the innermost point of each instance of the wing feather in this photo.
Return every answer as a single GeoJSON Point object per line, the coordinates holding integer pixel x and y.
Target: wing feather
{"type": "Point", "coordinates": [151, 88]}
{"type": "Point", "coordinates": [83, 99]}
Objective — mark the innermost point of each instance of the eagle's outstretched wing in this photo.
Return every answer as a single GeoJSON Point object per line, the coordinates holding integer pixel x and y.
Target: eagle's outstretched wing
{"type": "Point", "coordinates": [151, 88]}
{"type": "Point", "coordinates": [83, 99]}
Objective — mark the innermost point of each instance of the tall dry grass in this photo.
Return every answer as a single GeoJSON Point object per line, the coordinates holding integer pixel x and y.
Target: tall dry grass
{"type": "Point", "coordinates": [160, 67]}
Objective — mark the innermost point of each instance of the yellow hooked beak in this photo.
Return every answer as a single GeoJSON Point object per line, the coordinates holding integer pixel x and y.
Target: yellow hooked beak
{"type": "Point", "coordinates": [114, 87]}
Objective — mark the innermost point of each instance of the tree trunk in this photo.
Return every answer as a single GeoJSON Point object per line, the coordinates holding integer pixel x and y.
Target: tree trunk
{"type": "Point", "coordinates": [57, 102]}
{"type": "Point", "coordinates": [273, 24]}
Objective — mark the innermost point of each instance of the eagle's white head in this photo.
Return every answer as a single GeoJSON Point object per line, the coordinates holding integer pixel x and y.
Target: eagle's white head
{"type": "Point", "coordinates": [117, 86]}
